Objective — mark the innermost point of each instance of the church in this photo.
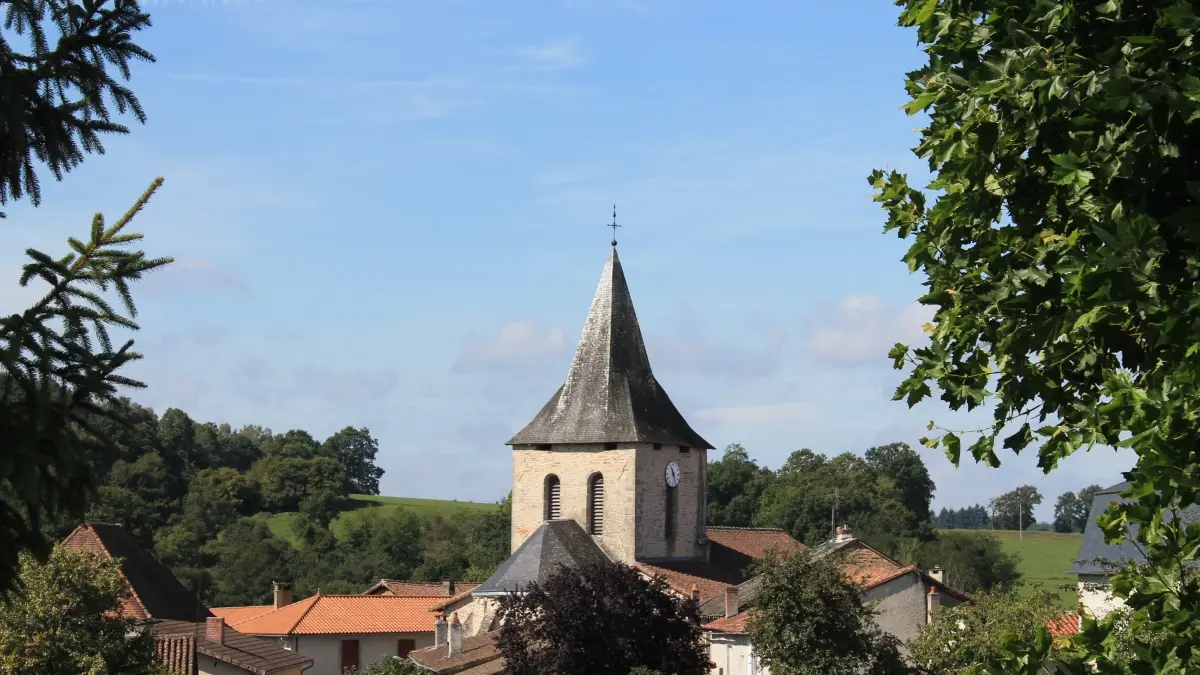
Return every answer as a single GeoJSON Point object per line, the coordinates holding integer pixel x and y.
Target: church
{"type": "Point", "coordinates": [607, 469]}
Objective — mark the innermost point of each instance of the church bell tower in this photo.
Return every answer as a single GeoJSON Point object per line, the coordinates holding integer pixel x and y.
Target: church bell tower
{"type": "Point", "coordinates": [609, 450]}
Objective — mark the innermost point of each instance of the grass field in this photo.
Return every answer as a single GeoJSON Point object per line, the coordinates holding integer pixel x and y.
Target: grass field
{"type": "Point", "coordinates": [281, 523]}
{"type": "Point", "coordinates": [1045, 558]}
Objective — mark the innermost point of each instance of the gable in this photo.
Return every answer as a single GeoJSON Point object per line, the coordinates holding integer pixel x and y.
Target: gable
{"type": "Point", "coordinates": [155, 593]}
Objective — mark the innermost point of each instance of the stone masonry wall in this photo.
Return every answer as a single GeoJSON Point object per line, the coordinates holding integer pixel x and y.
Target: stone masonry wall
{"type": "Point", "coordinates": [574, 465]}
{"type": "Point", "coordinates": [652, 498]}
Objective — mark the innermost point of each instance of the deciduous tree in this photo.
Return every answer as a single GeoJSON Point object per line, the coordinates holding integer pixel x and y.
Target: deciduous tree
{"type": "Point", "coordinates": [602, 618]}
{"type": "Point", "coordinates": [1060, 255]}
{"type": "Point", "coordinates": [66, 620]}
{"type": "Point", "coordinates": [810, 619]}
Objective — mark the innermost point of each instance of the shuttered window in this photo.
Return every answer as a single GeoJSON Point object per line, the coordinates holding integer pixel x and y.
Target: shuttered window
{"type": "Point", "coordinates": [596, 503]}
{"type": "Point", "coordinates": [553, 498]}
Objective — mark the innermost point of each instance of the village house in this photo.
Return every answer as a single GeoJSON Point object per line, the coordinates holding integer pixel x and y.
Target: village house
{"type": "Point", "coordinates": [189, 639]}
{"type": "Point", "coordinates": [341, 631]}
{"type": "Point", "coordinates": [906, 599]}
{"type": "Point", "coordinates": [610, 470]}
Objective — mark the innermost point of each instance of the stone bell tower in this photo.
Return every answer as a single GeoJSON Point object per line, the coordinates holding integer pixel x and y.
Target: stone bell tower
{"type": "Point", "coordinates": [609, 450]}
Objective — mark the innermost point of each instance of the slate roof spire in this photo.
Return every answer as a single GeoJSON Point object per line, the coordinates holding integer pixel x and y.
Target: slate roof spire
{"type": "Point", "coordinates": [610, 395]}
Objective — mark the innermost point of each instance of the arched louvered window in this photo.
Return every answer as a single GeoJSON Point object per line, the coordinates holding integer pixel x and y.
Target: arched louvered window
{"type": "Point", "coordinates": [596, 504]}
{"type": "Point", "coordinates": [553, 498]}
{"type": "Point", "coordinates": [669, 520]}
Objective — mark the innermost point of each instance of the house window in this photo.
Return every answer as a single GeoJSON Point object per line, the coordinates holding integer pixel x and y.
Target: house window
{"type": "Point", "coordinates": [403, 647]}
{"type": "Point", "coordinates": [553, 498]}
{"type": "Point", "coordinates": [669, 518]}
{"type": "Point", "coordinates": [349, 654]}
{"type": "Point", "coordinates": [596, 504]}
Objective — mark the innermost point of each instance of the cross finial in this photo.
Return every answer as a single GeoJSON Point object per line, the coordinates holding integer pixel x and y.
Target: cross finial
{"type": "Point", "coordinates": [614, 225]}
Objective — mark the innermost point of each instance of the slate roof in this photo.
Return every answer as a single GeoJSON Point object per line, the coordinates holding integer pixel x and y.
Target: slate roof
{"type": "Point", "coordinates": [155, 593]}
{"type": "Point", "coordinates": [610, 395]}
{"type": "Point", "coordinates": [1099, 557]}
{"type": "Point", "coordinates": [247, 652]}
{"type": "Point", "coordinates": [554, 543]}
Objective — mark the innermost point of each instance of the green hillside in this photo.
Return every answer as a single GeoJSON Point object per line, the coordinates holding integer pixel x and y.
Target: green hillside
{"type": "Point", "coordinates": [281, 523]}
{"type": "Point", "coordinates": [1045, 558]}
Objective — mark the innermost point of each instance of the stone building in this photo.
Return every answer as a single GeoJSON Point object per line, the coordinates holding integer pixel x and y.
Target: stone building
{"type": "Point", "coordinates": [607, 469]}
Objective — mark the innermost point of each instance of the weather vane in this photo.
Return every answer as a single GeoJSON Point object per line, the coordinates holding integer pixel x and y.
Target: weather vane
{"type": "Point", "coordinates": [614, 225]}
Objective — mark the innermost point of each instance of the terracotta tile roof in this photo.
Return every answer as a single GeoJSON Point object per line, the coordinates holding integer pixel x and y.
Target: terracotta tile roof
{"type": "Point", "coordinates": [247, 652]}
{"type": "Point", "coordinates": [681, 577]}
{"type": "Point", "coordinates": [1067, 623]}
{"type": "Point", "coordinates": [419, 588]}
{"type": "Point", "coordinates": [494, 667]}
{"type": "Point", "coordinates": [333, 614]}
{"type": "Point", "coordinates": [479, 652]}
{"type": "Point", "coordinates": [177, 653]}
{"type": "Point", "coordinates": [754, 541]}
{"type": "Point", "coordinates": [234, 615]}
{"type": "Point", "coordinates": [735, 624]}
{"type": "Point", "coordinates": [155, 593]}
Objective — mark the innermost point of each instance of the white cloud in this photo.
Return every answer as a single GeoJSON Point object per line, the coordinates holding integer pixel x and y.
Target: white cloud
{"type": "Point", "coordinates": [555, 55]}
{"type": "Point", "coordinates": [697, 357]}
{"type": "Point", "coordinates": [862, 329]}
{"type": "Point", "coordinates": [519, 345]}
{"type": "Point", "coordinates": [769, 414]}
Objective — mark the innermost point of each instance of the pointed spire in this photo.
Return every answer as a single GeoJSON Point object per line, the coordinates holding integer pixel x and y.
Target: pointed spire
{"type": "Point", "coordinates": [611, 395]}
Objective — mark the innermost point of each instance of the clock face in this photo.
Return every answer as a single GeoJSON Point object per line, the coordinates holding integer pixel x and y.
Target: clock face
{"type": "Point", "coordinates": [673, 474]}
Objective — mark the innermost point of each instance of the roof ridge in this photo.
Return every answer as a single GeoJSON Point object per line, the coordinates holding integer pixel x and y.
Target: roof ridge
{"type": "Point", "coordinates": [315, 599]}
{"type": "Point", "coordinates": [748, 529]}
{"type": "Point", "coordinates": [120, 568]}
{"type": "Point", "coordinates": [392, 597]}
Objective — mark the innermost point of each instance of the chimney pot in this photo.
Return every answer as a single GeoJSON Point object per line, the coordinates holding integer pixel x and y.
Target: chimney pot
{"type": "Point", "coordinates": [441, 631]}
{"type": "Point", "coordinates": [695, 593]}
{"type": "Point", "coordinates": [938, 574]}
{"type": "Point", "coordinates": [844, 534]}
{"type": "Point", "coordinates": [456, 637]}
{"type": "Point", "coordinates": [731, 601]}
{"type": "Point", "coordinates": [214, 629]}
{"type": "Point", "coordinates": [448, 588]}
{"type": "Point", "coordinates": [283, 594]}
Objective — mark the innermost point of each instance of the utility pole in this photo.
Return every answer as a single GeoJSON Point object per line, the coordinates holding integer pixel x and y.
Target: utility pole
{"type": "Point", "coordinates": [1020, 519]}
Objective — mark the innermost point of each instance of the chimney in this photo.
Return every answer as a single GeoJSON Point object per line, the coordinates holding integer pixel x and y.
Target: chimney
{"type": "Point", "coordinates": [933, 602]}
{"type": "Point", "coordinates": [731, 601]}
{"type": "Point", "coordinates": [695, 593]}
{"type": "Point", "coordinates": [843, 535]}
{"type": "Point", "coordinates": [441, 634]}
{"type": "Point", "coordinates": [938, 574]}
{"type": "Point", "coordinates": [456, 636]}
{"type": "Point", "coordinates": [283, 594]}
{"type": "Point", "coordinates": [214, 629]}
{"type": "Point", "coordinates": [448, 588]}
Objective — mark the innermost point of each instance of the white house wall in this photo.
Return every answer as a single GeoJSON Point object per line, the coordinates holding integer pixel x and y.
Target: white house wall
{"type": "Point", "coordinates": [733, 655]}
{"type": "Point", "coordinates": [1095, 594]}
{"type": "Point", "coordinates": [207, 665]}
{"type": "Point", "coordinates": [901, 606]}
{"type": "Point", "coordinates": [326, 650]}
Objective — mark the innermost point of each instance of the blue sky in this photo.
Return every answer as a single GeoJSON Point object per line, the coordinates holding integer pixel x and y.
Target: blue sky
{"type": "Point", "coordinates": [389, 213]}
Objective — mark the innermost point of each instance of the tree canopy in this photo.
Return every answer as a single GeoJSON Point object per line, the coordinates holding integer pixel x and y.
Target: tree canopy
{"type": "Point", "coordinates": [1058, 247]}
{"type": "Point", "coordinates": [67, 621]}
{"type": "Point", "coordinates": [809, 619]}
{"type": "Point", "coordinates": [603, 618]}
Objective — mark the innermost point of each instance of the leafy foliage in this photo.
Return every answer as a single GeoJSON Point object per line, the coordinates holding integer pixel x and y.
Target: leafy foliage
{"type": "Point", "coordinates": [976, 632]}
{"type": "Point", "coordinates": [1071, 511]}
{"type": "Point", "coordinates": [66, 620]}
{"type": "Point", "coordinates": [973, 561]}
{"type": "Point", "coordinates": [1013, 510]}
{"type": "Point", "coordinates": [355, 451]}
{"type": "Point", "coordinates": [58, 364]}
{"type": "Point", "coordinates": [1062, 257]}
{"type": "Point", "coordinates": [603, 618]}
{"type": "Point", "coordinates": [965, 518]}
{"type": "Point", "coordinates": [809, 619]}
{"type": "Point", "coordinates": [735, 487]}
{"type": "Point", "coordinates": [392, 666]}
{"type": "Point", "coordinates": [55, 98]}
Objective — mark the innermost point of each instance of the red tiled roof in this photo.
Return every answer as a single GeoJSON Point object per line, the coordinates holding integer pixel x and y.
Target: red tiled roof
{"type": "Point", "coordinates": [735, 624]}
{"type": "Point", "coordinates": [1067, 623]}
{"type": "Point", "coordinates": [708, 580]}
{"type": "Point", "coordinates": [246, 652]}
{"type": "Point", "coordinates": [417, 588]}
{"type": "Point", "coordinates": [177, 653]}
{"type": "Point", "coordinates": [478, 652]}
{"type": "Point", "coordinates": [234, 615]}
{"type": "Point", "coordinates": [155, 593]}
{"type": "Point", "coordinates": [446, 602]}
{"type": "Point", "coordinates": [754, 541]}
{"type": "Point", "coordinates": [333, 614]}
